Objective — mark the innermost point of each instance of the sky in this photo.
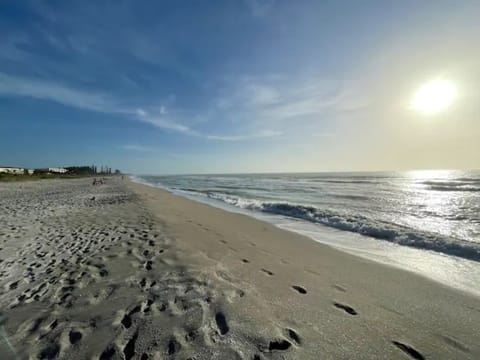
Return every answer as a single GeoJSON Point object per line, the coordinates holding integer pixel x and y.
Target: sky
{"type": "Point", "coordinates": [170, 87]}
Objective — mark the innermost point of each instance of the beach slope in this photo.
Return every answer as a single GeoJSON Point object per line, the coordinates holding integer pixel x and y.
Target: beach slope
{"type": "Point", "coordinates": [127, 271]}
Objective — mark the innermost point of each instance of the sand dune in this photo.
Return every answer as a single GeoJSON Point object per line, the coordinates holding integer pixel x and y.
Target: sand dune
{"type": "Point", "coordinates": [124, 271]}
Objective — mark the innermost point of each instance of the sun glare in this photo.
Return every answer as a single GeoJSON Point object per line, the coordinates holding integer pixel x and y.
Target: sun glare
{"type": "Point", "coordinates": [434, 96]}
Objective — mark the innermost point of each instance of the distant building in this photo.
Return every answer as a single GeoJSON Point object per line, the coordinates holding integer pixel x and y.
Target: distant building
{"type": "Point", "coordinates": [12, 170]}
{"type": "Point", "coordinates": [51, 171]}
{"type": "Point", "coordinates": [57, 170]}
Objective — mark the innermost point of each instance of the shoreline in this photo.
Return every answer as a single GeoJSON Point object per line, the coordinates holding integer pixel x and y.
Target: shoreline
{"type": "Point", "coordinates": [124, 270]}
{"type": "Point", "coordinates": [425, 263]}
{"type": "Point", "coordinates": [390, 295]}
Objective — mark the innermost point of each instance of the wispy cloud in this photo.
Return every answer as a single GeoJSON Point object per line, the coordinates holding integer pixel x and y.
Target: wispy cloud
{"type": "Point", "coordinates": [258, 107]}
{"type": "Point", "coordinates": [162, 120]}
{"type": "Point", "coordinates": [99, 102]}
{"type": "Point", "coordinates": [140, 148]}
{"type": "Point", "coordinates": [258, 135]}
{"type": "Point", "coordinates": [291, 99]}
{"type": "Point", "coordinates": [45, 90]}
{"type": "Point", "coordinates": [279, 100]}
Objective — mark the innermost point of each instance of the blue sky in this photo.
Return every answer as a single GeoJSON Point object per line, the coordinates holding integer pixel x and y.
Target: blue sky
{"type": "Point", "coordinates": [235, 86]}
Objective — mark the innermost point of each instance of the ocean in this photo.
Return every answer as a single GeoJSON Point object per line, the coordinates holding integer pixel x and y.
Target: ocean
{"type": "Point", "coordinates": [426, 221]}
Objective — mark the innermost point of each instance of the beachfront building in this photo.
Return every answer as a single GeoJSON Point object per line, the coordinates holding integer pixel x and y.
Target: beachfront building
{"type": "Point", "coordinates": [57, 170]}
{"type": "Point", "coordinates": [12, 170]}
{"type": "Point", "coordinates": [51, 171]}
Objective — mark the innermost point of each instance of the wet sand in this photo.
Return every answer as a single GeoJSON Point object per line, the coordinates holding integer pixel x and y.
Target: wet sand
{"type": "Point", "coordinates": [126, 271]}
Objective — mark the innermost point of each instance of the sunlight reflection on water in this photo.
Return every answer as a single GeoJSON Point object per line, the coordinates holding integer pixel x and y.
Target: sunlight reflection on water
{"type": "Point", "coordinates": [441, 201]}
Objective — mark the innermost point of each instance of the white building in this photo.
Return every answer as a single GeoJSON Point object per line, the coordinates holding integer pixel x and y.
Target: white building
{"type": "Point", "coordinates": [12, 170]}
{"type": "Point", "coordinates": [57, 170]}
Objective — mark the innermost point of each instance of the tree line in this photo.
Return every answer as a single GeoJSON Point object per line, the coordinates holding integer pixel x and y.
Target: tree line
{"type": "Point", "coordinates": [91, 170]}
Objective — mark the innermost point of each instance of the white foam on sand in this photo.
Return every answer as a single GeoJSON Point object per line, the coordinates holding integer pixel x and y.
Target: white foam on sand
{"type": "Point", "coordinates": [452, 271]}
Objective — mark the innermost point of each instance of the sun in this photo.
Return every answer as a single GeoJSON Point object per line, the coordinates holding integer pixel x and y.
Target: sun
{"type": "Point", "coordinates": [434, 96]}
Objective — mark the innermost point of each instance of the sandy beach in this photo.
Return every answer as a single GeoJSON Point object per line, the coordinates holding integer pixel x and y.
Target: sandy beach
{"type": "Point", "coordinates": [126, 271]}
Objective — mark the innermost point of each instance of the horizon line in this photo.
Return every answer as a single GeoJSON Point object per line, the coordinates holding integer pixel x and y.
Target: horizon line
{"type": "Point", "coordinates": [301, 172]}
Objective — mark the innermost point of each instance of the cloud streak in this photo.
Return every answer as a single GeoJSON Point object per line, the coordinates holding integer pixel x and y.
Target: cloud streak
{"type": "Point", "coordinates": [44, 90]}
{"type": "Point", "coordinates": [139, 148]}
{"type": "Point", "coordinates": [258, 135]}
{"type": "Point", "coordinates": [98, 102]}
{"type": "Point", "coordinates": [283, 99]}
{"type": "Point", "coordinates": [162, 121]}
{"type": "Point", "coordinates": [259, 104]}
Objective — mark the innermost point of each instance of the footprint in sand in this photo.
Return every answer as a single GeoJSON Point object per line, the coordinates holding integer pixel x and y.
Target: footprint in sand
{"type": "Point", "coordinates": [103, 273]}
{"type": "Point", "coordinates": [191, 335]}
{"type": "Point", "coordinates": [50, 352]}
{"type": "Point", "coordinates": [346, 308]}
{"type": "Point", "coordinates": [407, 349]}
{"type": "Point", "coordinates": [74, 337]}
{"type": "Point", "coordinates": [173, 347]}
{"type": "Point", "coordinates": [268, 272]}
{"type": "Point", "coordinates": [292, 334]}
{"type": "Point", "coordinates": [299, 289]}
{"type": "Point", "coordinates": [13, 285]}
{"type": "Point", "coordinates": [35, 325]}
{"type": "Point", "coordinates": [127, 319]}
{"type": "Point", "coordinates": [339, 288]}
{"type": "Point", "coordinates": [221, 323]}
{"type": "Point", "coordinates": [108, 353]}
{"type": "Point", "coordinates": [276, 345]}
{"type": "Point", "coordinates": [54, 324]}
{"type": "Point", "coordinates": [129, 349]}
{"type": "Point", "coordinates": [281, 345]}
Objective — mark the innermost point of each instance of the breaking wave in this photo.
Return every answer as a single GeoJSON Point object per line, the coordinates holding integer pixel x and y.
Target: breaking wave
{"type": "Point", "coordinates": [457, 185]}
{"type": "Point", "coordinates": [378, 229]}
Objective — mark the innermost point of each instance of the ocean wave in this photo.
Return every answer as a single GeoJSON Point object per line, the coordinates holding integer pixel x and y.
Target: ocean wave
{"type": "Point", "coordinates": [282, 202]}
{"type": "Point", "coordinates": [351, 197]}
{"type": "Point", "coordinates": [359, 181]}
{"type": "Point", "coordinates": [453, 185]}
{"type": "Point", "coordinates": [454, 188]}
{"type": "Point", "coordinates": [381, 230]}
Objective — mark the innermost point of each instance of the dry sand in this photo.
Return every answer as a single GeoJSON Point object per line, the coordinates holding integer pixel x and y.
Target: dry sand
{"type": "Point", "coordinates": [125, 271]}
